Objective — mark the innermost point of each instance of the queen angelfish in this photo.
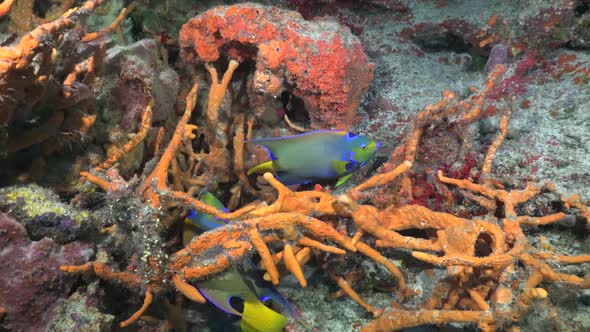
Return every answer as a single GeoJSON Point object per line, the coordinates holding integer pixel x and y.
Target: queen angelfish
{"type": "Point", "coordinates": [317, 155]}
{"type": "Point", "coordinates": [230, 293]}
{"type": "Point", "coordinates": [241, 290]}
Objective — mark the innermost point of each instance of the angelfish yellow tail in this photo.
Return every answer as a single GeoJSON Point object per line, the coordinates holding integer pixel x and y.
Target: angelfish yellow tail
{"type": "Point", "coordinates": [262, 168]}
{"type": "Point", "coordinates": [259, 318]}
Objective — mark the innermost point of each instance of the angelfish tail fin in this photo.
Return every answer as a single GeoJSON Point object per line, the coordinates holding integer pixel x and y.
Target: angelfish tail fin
{"type": "Point", "coordinates": [262, 168]}
{"type": "Point", "coordinates": [259, 318]}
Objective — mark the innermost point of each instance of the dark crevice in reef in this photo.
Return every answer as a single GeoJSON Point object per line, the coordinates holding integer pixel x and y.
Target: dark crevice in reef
{"type": "Point", "coordinates": [438, 41]}
{"type": "Point", "coordinates": [295, 109]}
{"type": "Point", "coordinates": [418, 233]}
{"type": "Point", "coordinates": [582, 7]}
{"type": "Point", "coordinates": [484, 245]}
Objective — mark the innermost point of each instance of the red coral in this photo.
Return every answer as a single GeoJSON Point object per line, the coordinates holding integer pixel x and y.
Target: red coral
{"type": "Point", "coordinates": [517, 83]}
{"type": "Point", "coordinates": [320, 62]}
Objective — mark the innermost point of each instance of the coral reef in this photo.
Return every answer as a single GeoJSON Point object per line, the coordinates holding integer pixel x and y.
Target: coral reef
{"type": "Point", "coordinates": [479, 285]}
{"type": "Point", "coordinates": [320, 62]}
{"type": "Point", "coordinates": [455, 223]}
{"type": "Point", "coordinates": [31, 284]}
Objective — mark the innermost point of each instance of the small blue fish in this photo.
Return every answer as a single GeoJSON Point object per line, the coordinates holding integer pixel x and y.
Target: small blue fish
{"type": "Point", "coordinates": [317, 155]}
{"type": "Point", "coordinates": [244, 283]}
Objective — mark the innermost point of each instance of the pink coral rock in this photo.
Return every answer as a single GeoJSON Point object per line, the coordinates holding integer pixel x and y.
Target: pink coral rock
{"type": "Point", "coordinates": [321, 62]}
{"type": "Point", "coordinates": [31, 284]}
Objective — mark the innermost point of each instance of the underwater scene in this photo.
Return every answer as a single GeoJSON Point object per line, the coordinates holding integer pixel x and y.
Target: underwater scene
{"type": "Point", "coordinates": [295, 165]}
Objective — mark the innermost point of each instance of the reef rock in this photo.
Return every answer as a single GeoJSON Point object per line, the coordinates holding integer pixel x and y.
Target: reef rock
{"type": "Point", "coordinates": [31, 284]}
{"type": "Point", "coordinates": [41, 212]}
{"type": "Point", "coordinates": [134, 74]}
{"type": "Point", "coordinates": [320, 62]}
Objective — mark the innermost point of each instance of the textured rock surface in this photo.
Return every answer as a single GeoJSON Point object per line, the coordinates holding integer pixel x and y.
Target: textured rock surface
{"type": "Point", "coordinates": [76, 314]}
{"type": "Point", "coordinates": [31, 284]}
{"type": "Point", "coordinates": [41, 212]}
{"type": "Point", "coordinates": [135, 73]}
{"type": "Point", "coordinates": [320, 62]}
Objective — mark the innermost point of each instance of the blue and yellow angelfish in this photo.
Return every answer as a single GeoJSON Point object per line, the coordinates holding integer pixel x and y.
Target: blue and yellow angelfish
{"type": "Point", "coordinates": [241, 290]}
{"type": "Point", "coordinates": [316, 155]}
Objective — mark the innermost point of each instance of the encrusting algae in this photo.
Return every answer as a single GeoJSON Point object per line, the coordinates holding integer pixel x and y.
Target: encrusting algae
{"type": "Point", "coordinates": [494, 274]}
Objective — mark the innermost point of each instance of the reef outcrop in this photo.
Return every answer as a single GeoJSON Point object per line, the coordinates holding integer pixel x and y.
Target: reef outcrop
{"type": "Point", "coordinates": [320, 62]}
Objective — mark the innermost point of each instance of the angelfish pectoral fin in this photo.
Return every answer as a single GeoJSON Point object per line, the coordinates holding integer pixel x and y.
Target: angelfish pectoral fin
{"type": "Point", "coordinates": [339, 166]}
{"type": "Point", "coordinates": [262, 168]}
{"type": "Point", "coordinates": [343, 179]}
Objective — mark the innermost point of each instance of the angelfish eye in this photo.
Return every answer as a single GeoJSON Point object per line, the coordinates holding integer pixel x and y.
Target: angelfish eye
{"type": "Point", "coordinates": [363, 146]}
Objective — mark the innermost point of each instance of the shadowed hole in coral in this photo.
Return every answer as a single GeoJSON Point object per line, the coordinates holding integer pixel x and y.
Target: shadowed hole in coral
{"type": "Point", "coordinates": [116, 300]}
{"type": "Point", "coordinates": [378, 161]}
{"type": "Point", "coordinates": [499, 213]}
{"type": "Point", "coordinates": [200, 144]}
{"type": "Point", "coordinates": [247, 51]}
{"type": "Point", "coordinates": [40, 8]}
{"type": "Point", "coordinates": [437, 41]}
{"type": "Point", "coordinates": [581, 7]}
{"type": "Point", "coordinates": [428, 233]}
{"type": "Point", "coordinates": [295, 109]}
{"type": "Point", "coordinates": [483, 245]}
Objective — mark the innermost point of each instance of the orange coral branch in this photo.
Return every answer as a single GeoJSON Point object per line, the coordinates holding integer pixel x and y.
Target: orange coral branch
{"type": "Point", "coordinates": [146, 303]}
{"type": "Point", "coordinates": [356, 297]}
{"type": "Point", "coordinates": [29, 46]}
{"type": "Point", "coordinates": [306, 202]}
{"type": "Point", "coordinates": [477, 298]}
{"type": "Point", "coordinates": [293, 265]}
{"type": "Point", "coordinates": [305, 241]}
{"type": "Point", "coordinates": [130, 280]}
{"type": "Point", "coordinates": [486, 168]}
{"type": "Point", "coordinates": [187, 289]}
{"type": "Point", "coordinates": [475, 111]}
{"type": "Point", "coordinates": [382, 179]}
{"type": "Point", "coordinates": [160, 172]}
{"type": "Point", "coordinates": [97, 181]}
{"type": "Point", "coordinates": [5, 7]}
{"type": "Point", "coordinates": [538, 221]}
{"type": "Point", "coordinates": [146, 122]}
{"type": "Point", "coordinates": [205, 208]}
{"type": "Point", "coordinates": [267, 260]}
{"type": "Point", "coordinates": [110, 28]}
{"type": "Point", "coordinates": [158, 142]}
{"type": "Point", "coordinates": [216, 95]}
{"type": "Point", "coordinates": [365, 217]}
{"type": "Point", "coordinates": [394, 319]}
